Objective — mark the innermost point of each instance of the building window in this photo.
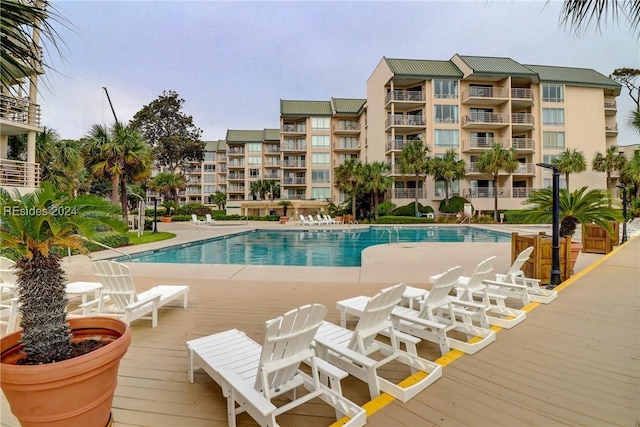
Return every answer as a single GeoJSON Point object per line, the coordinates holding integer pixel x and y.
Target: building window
{"type": "Point", "coordinates": [209, 168]}
{"type": "Point", "coordinates": [320, 176]}
{"type": "Point", "coordinates": [254, 147]}
{"type": "Point", "coordinates": [319, 141]}
{"type": "Point", "coordinates": [254, 173]}
{"type": "Point", "coordinates": [454, 188]}
{"type": "Point", "coordinates": [553, 140]}
{"type": "Point", "coordinates": [254, 160]}
{"type": "Point", "coordinates": [209, 178]}
{"type": "Point", "coordinates": [209, 156]}
{"type": "Point", "coordinates": [552, 93]}
{"type": "Point", "coordinates": [446, 114]}
{"type": "Point", "coordinates": [553, 116]}
{"type": "Point", "coordinates": [348, 142]}
{"type": "Point", "coordinates": [447, 89]}
{"type": "Point", "coordinates": [548, 182]}
{"type": "Point", "coordinates": [320, 123]}
{"type": "Point", "coordinates": [344, 157]}
{"type": "Point", "coordinates": [446, 138]}
{"type": "Point", "coordinates": [209, 188]}
{"type": "Point", "coordinates": [320, 193]}
{"type": "Point", "coordinates": [319, 158]}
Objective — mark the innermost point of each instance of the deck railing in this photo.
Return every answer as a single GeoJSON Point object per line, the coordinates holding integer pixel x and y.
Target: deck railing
{"type": "Point", "coordinates": [14, 173]}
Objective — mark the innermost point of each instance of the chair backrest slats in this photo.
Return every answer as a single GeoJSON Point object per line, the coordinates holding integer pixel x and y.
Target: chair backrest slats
{"type": "Point", "coordinates": [116, 277]}
{"type": "Point", "coordinates": [375, 316]}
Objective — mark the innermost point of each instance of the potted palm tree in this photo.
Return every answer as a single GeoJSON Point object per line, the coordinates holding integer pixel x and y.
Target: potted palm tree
{"type": "Point", "coordinates": [52, 356]}
{"type": "Point", "coordinates": [285, 206]}
{"type": "Point", "coordinates": [582, 206]}
{"type": "Point", "coordinates": [168, 205]}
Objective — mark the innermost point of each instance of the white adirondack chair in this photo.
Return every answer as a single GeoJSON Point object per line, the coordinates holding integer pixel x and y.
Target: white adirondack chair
{"type": "Point", "coordinates": [251, 375]}
{"type": "Point", "coordinates": [8, 295]}
{"type": "Point", "coordinates": [474, 289]}
{"type": "Point", "coordinates": [119, 297]}
{"type": "Point", "coordinates": [352, 350]}
{"type": "Point", "coordinates": [438, 316]}
{"type": "Point", "coordinates": [515, 284]}
{"type": "Point", "coordinates": [208, 219]}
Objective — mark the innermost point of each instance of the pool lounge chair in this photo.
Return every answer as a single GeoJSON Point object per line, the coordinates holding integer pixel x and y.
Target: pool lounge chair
{"type": "Point", "coordinates": [311, 221]}
{"type": "Point", "coordinates": [321, 220]}
{"type": "Point", "coordinates": [515, 284]}
{"type": "Point", "coordinates": [352, 350]}
{"type": "Point", "coordinates": [119, 298]}
{"type": "Point", "coordinates": [251, 375]}
{"type": "Point", "coordinates": [195, 220]}
{"type": "Point", "coordinates": [209, 220]}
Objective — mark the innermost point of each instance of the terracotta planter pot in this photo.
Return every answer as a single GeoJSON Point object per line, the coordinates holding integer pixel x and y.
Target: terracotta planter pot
{"type": "Point", "coordinates": [284, 219]}
{"type": "Point", "coordinates": [576, 248]}
{"type": "Point", "coordinates": [166, 219]}
{"type": "Point", "coordinates": [75, 392]}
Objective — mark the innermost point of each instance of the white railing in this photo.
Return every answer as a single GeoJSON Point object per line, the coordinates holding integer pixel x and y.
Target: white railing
{"type": "Point", "coordinates": [294, 181]}
{"type": "Point", "coordinates": [294, 146]}
{"type": "Point", "coordinates": [294, 164]}
{"type": "Point", "coordinates": [19, 110]}
{"type": "Point", "coordinates": [395, 145]}
{"type": "Point", "coordinates": [523, 143]}
{"type": "Point", "coordinates": [404, 95]}
{"type": "Point", "coordinates": [407, 193]}
{"type": "Point", "coordinates": [522, 118]}
{"type": "Point", "coordinates": [525, 168]}
{"type": "Point", "coordinates": [14, 173]}
{"type": "Point", "coordinates": [346, 125]}
{"type": "Point", "coordinates": [484, 92]}
{"type": "Point", "coordinates": [294, 128]}
{"type": "Point", "coordinates": [405, 121]}
{"type": "Point", "coordinates": [483, 143]}
{"type": "Point", "coordinates": [521, 93]}
{"type": "Point", "coordinates": [477, 117]}
{"type": "Point", "coordinates": [611, 126]}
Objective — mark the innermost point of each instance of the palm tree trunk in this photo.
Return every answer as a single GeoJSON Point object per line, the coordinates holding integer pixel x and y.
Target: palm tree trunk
{"type": "Point", "coordinates": [124, 200]}
{"type": "Point", "coordinates": [115, 189]}
{"type": "Point", "coordinates": [353, 205]}
{"type": "Point", "coordinates": [415, 205]}
{"type": "Point", "coordinates": [375, 205]}
{"type": "Point", "coordinates": [566, 177]}
{"type": "Point", "coordinates": [495, 199]}
{"type": "Point", "coordinates": [446, 192]}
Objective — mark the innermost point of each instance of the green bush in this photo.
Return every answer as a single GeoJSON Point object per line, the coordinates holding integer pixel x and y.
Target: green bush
{"type": "Point", "coordinates": [194, 208]}
{"type": "Point", "coordinates": [148, 224]}
{"type": "Point", "coordinates": [484, 219]}
{"type": "Point", "coordinates": [219, 215]}
{"type": "Point", "coordinates": [456, 204]}
{"type": "Point", "coordinates": [149, 212]}
{"type": "Point", "coordinates": [515, 216]}
{"type": "Point", "coordinates": [385, 208]}
{"type": "Point", "coordinates": [410, 210]}
{"type": "Point", "coordinates": [390, 219]}
{"type": "Point", "coordinates": [111, 239]}
{"type": "Point", "coordinates": [181, 218]}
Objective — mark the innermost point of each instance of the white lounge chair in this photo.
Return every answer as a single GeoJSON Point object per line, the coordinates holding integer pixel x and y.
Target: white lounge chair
{"type": "Point", "coordinates": [302, 220]}
{"type": "Point", "coordinates": [437, 319]}
{"type": "Point", "coordinates": [334, 221]}
{"type": "Point", "coordinates": [321, 220]}
{"type": "Point", "coordinates": [515, 284]}
{"type": "Point", "coordinates": [8, 277]}
{"type": "Point", "coordinates": [251, 375]}
{"type": "Point", "coordinates": [119, 298]}
{"type": "Point", "coordinates": [195, 220]}
{"type": "Point", "coordinates": [328, 219]}
{"type": "Point", "coordinates": [352, 350]}
{"type": "Point", "coordinates": [208, 219]}
{"type": "Point", "coordinates": [311, 221]}
{"type": "Point", "coordinates": [474, 289]}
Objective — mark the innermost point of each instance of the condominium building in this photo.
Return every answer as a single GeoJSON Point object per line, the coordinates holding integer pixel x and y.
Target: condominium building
{"type": "Point", "coordinates": [469, 103]}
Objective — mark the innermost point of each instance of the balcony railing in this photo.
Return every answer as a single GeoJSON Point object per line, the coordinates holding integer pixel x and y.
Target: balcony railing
{"type": "Point", "coordinates": [346, 125]}
{"type": "Point", "coordinates": [235, 164]}
{"type": "Point", "coordinates": [525, 169]}
{"type": "Point", "coordinates": [611, 126]}
{"type": "Point", "coordinates": [294, 164]}
{"type": "Point", "coordinates": [482, 143]}
{"type": "Point", "coordinates": [272, 164]}
{"type": "Point", "coordinates": [272, 149]}
{"type": "Point", "coordinates": [19, 110]}
{"type": "Point", "coordinates": [522, 119]}
{"type": "Point", "coordinates": [294, 146]}
{"type": "Point", "coordinates": [477, 117]}
{"type": "Point", "coordinates": [294, 181]}
{"type": "Point", "coordinates": [272, 175]}
{"type": "Point", "coordinates": [396, 145]}
{"type": "Point", "coordinates": [610, 104]}
{"type": "Point", "coordinates": [405, 121]}
{"type": "Point", "coordinates": [235, 151]}
{"type": "Point", "coordinates": [19, 174]}
{"type": "Point", "coordinates": [236, 176]}
{"type": "Point", "coordinates": [342, 145]}
{"type": "Point", "coordinates": [523, 144]}
{"type": "Point", "coordinates": [404, 95]}
{"type": "Point", "coordinates": [522, 93]}
{"type": "Point", "coordinates": [485, 92]}
{"type": "Point", "coordinates": [407, 193]}
{"type": "Point", "coordinates": [484, 193]}
{"type": "Point", "coordinates": [235, 188]}
{"type": "Point", "coordinates": [294, 128]}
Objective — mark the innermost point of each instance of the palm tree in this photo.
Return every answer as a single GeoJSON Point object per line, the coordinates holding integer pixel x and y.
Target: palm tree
{"type": "Point", "coordinates": [579, 14]}
{"type": "Point", "coordinates": [582, 206]}
{"type": "Point", "coordinates": [348, 177]}
{"type": "Point", "coordinates": [33, 224]}
{"type": "Point", "coordinates": [570, 161]}
{"type": "Point", "coordinates": [377, 181]}
{"type": "Point", "coordinates": [494, 161]}
{"type": "Point", "coordinates": [219, 199]}
{"type": "Point", "coordinates": [169, 184]}
{"type": "Point", "coordinates": [262, 188]}
{"type": "Point", "coordinates": [414, 160]}
{"type": "Point", "coordinates": [631, 172]}
{"type": "Point", "coordinates": [60, 160]}
{"type": "Point", "coordinates": [448, 168]}
{"type": "Point", "coordinates": [609, 162]}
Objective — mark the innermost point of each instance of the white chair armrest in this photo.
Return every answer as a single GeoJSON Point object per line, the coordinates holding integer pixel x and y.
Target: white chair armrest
{"type": "Point", "coordinates": [418, 321]}
{"type": "Point", "coordinates": [346, 352]}
{"type": "Point", "coordinates": [248, 393]}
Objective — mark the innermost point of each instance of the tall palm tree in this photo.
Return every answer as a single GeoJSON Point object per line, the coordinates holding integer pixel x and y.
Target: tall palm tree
{"type": "Point", "coordinates": [581, 206]}
{"type": "Point", "coordinates": [608, 162]}
{"type": "Point", "coordinates": [447, 168]}
{"type": "Point", "coordinates": [105, 160]}
{"type": "Point", "coordinates": [631, 172]}
{"type": "Point", "coordinates": [137, 161]}
{"type": "Point", "coordinates": [493, 162]}
{"type": "Point", "coordinates": [348, 177]}
{"type": "Point", "coordinates": [33, 224]}
{"type": "Point", "coordinates": [570, 161]}
{"type": "Point", "coordinates": [579, 14]}
{"type": "Point", "coordinates": [414, 160]}
{"type": "Point", "coordinates": [377, 180]}
{"type": "Point", "coordinates": [169, 184]}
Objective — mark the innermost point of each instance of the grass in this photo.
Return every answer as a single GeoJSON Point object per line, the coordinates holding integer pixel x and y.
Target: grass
{"type": "Point", "coordinates": [148, 237]}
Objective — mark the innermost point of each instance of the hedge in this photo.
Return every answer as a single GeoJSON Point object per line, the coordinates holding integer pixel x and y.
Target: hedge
{"type": "Point", "coordinates": [456, 204]}
{"type": "Point", "coordinates": [410, 210]}
{"type": "Point", "coordinates": [390, 219]}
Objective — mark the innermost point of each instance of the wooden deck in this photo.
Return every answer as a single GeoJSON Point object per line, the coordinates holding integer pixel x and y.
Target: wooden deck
{"type": "Point", "coordinates": [575, 361]}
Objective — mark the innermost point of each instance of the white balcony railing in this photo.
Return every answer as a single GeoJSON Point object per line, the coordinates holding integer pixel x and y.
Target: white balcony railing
{"type": "Point", "coordinates": [404, 95]}
{"type": "Point", "coordinates": [19, 110]}
{"type": "Point", "coordinates": [407, 193]}
{"type": "Point", "coordinates": [19, 174]}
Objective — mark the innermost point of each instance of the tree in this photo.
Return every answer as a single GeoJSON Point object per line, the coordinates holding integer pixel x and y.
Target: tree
{"type": "Point", "coordinates": [582, 206]}
{"type": "Point", "coordinates": [377, 180]}
{"type": "Point", "coordinates": [22, 25]}
{"type": "Point", "coordinates": [570, 161]}
{"type": "Point", "coordinates": [494, 161]}
{"type": "Point", "coordinates": [60, 160]}
{"type": "Point", "coordinates": [447, 168]}
{"type": "Point", "coordinates": [262, 188]}
{"type": "Point", "coordinates": [608, 162]}
{"type": "Point", "coordinates": [631, 172]}
{"type": "Point", "coordinates": [579, 14]}
{"type": "Point", "coordinates": [628, 77]}
{"type": "Point", "coordinates": [168, 184]}
{"type": "Point", "coordinates": [414, 160]}
{"type": "Point", "coordinates": [219, 199]}
{"type": "Point", "coordinates": [348, 177]}
{"type": "Point", "coordinates": [33, 224]}
{"type": "Point", "coordinates": [174, 138]}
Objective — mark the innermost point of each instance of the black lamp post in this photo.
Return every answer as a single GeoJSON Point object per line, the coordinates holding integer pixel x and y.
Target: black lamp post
{"type": "Point", "coordinates": [624, 212]}
{"type": "Point", "coordinates": [555, 279]}
{"type": "Point", "coordinates": [155, 214]}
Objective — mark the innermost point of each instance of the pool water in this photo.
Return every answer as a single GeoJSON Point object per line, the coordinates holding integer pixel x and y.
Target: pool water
{"type": "Point", "coordinates": [320, 248]}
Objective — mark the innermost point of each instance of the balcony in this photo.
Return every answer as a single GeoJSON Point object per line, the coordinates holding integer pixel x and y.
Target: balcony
{"type": "Point", "coordinates": [294, 164]}
{"type": "Point", "coordinates": [289, 145]}
{"type": "Point", "coordinates": [346, 126]}
{"type": "Point", "coordinates": [404, 98]}
{"type": "Point", "coordinates": [610, 107]}
{"type": "Point", "coordinates": [18, 111]}
{"type": "Point", "coordinates": [272, 150]}
{"type": "Point", "coordinates": [234, 176]}
{"type": "Point", "coordinates": [485, 95]}
{"type": "Point", "coordinates": [525, 169]}
{"type": "Point", "coordinates": [407, 122]}
{"type": "Point", "coordinates": [19, 174]}
{"type": "Point", "coordinates": [294, 181]}
{"type": "Point", "coordinates": [346, 146]}
{"type": "Point", "coordinates": [272, 164]}
{"type": "Point", "coordinates": [486, 193]}
{"type": "Point", "coordinates": [294, 128]}
{"type": "Point", "coordinates": [396, 145]}
{"type": "Point", "coordinates": [521, 98]}
{"type": "Point", "coordinates": [522, 145]}
{"type": "Point", "coordinates": [476, 120]}
{"type": "Point", "coordinates": [407, 193]}
{"type": "Point", "coordinates": [439, 194]}
{"type": "Point", "coordinates": [235, 188]}
{"type": "Point", "coordinates": [611, 128]}
{"type": "Point", "coordinates": [522, 121]}
{"type": "Point", "coordinates": [235, 164]}
{"type": "Point", "coordinates": [481, 144]}
{"type": "Point", "coordinates": [272, 175]}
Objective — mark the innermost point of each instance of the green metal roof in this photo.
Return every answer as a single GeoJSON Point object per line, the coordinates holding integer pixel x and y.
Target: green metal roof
{"type": "Point", "coordinates": [423, 68]}
{"type": "Point", "coordinates": [243, 136]}
{"type": "Point", "coordinates": [574, 76]}
{"type": "Point", "coordinates": [271, 135]}
{"type": "Point", "coordinates": [347, 105]}
{"type": "Point", "coordinates": [305, 108]}
{"type": "Point", "coordinates": [492, 65]}
{"type": "Point", "coordinates": [219, 145]}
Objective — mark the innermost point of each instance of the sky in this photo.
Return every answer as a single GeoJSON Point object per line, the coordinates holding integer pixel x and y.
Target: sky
{"type": "Point", "coordinates": [233, 61]}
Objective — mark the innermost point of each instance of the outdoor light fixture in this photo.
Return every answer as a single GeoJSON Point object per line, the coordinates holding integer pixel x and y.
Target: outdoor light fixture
{"type": "Point", "coordinates": [155, 214]}
{"type": "Point", "coordinates": [555, 241]}
{"type": "Point", "coordinates": [624, 212]}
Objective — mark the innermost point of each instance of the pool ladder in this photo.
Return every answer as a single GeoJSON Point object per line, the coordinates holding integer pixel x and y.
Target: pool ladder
{"type": "Point", "coordinates": [390, 232]}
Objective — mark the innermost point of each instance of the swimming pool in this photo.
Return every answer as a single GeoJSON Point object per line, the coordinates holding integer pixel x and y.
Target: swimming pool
{"type": "Point", "coordinates": [320, 248]}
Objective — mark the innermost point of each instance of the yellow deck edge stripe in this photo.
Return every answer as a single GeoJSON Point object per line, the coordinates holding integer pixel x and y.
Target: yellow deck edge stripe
{"type": "Point", "coordinates": [384, 399]}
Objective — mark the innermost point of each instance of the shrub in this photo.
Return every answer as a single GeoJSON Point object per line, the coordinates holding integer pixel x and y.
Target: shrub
{"type": "Point", "coordinates": [389, 219]}
{"type": "Point", "coordinates": [456, 204]}
{"type": "Point", "coordinates": [194, 208]}
{"type": "Point", "coordinates": [410, 210]}
{"type": "Point", "coordinates": [484, 219]}
{"type": "Point", "coordinates": [385, 208]}
{"type": "Point", "coordinates": [515, 216]}
{"type": "Point", "coordinates": [181, 218]}
{"type": "Point", "coordinates": [111, 239]}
